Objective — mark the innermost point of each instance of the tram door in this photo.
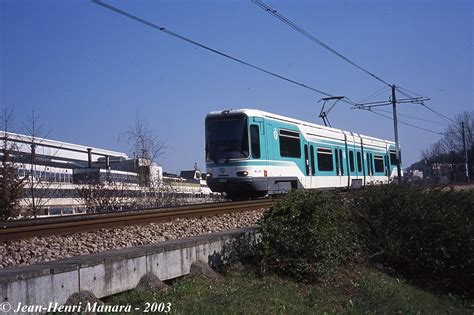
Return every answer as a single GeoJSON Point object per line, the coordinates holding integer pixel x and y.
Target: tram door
{"type": "Point", "coordinates": [370, 167]}
{"type": "Point", "coordinates": [270, 137]}
{"type": "Point", "coordinates": [341, 169]}
{"type": "Point", "coordinates": [307, 165]}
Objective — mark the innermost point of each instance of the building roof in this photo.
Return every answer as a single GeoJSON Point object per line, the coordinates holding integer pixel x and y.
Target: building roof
{"type": "Point", "coordinates": [58, 149]}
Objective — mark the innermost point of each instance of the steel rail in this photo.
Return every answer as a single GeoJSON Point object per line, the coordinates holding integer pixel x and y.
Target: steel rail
{"type": "Point", "coordinates": [16, 230]}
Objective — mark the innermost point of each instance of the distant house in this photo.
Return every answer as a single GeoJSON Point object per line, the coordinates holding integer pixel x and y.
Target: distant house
{"type": "Point", "coordinates": [191, 175]}
{"type": "Point", "coordinates": [196, 176]}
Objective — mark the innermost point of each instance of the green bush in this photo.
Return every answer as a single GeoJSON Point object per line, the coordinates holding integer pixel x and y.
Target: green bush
{"type": "Point", "coordinates": [424, 234]}
{"type": "Point", "coordinates": [306, 235]}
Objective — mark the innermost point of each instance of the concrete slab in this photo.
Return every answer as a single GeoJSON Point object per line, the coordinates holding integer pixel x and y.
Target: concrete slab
{"type": "Point", "coordinates": [116, 271]}
{"type": "Point", "coordinates": [57, 267]}
{"type": "Point", "coordinates": [124, 253]}
{"type": "Point", "coordinates": [41, 290]}
{"type": "Point", "coordinates": [23, 272]}
{"type": "Point", "coordinates": [112, 277]}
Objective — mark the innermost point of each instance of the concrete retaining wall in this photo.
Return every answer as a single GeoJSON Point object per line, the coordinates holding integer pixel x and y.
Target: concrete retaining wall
{"type": "Point", "coordinates": [116, 271]}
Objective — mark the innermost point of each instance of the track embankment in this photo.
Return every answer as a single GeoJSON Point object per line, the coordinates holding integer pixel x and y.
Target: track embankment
{"type": "Point", "coordinates": [22, 229]}
{"type": "Point", "coordinates": [44, 248]}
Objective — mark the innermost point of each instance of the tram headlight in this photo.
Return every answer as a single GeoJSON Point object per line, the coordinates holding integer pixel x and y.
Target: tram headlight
{"type": "Point", "coordinates": [242, 173]}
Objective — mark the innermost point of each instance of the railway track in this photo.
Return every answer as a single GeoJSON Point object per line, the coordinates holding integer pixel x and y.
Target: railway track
{"type": "Point", "coordinates": [16, 230]}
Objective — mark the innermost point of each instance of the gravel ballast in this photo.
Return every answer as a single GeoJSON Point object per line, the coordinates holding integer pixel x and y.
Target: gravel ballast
{"type": "Point", "coordinates": [47, 248]}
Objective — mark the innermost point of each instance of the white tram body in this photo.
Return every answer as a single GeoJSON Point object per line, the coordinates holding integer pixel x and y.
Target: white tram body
{"type": "Point", "coordinates": [251, 153]}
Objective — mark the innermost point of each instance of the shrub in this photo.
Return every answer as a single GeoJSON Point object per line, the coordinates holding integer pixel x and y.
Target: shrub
{"type": "Point", "coordinates": [306, 235]}
{"type": "Point", "coordinates": [11, 187]}
{"type": "Point", "coordinates": [424, 234]}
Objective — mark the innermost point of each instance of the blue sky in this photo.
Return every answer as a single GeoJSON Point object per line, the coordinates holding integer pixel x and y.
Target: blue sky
{"type": "Point", "coordinates": [88, 71]}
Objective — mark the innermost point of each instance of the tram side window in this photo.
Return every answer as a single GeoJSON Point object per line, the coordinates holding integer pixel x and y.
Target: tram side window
{"type": "Point", "coordinates": [255, 141]}
{"type": "Point", "coordinates": [351, 161]}
{"type": "Point", "coordinates": [359, 162]}
{"type": "Point", "coordinates": [393, 157]}
{"type": "Point", "coordinates": [290, 144]}
{"type": "Point", "coordinates": [378, 163]}
{"type": "Point", "coordinates": [325, 162]}
{"type": "Point", "coordinates": [313, 170]}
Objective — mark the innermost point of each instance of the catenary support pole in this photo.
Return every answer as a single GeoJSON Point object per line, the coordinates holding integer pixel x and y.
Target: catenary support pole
{"type": "Point", "coordinates": [395, 129]}
{"type": "Point", "coordinates": [466, 164]}
{"type": "Point", "coordinates": [89, 157]}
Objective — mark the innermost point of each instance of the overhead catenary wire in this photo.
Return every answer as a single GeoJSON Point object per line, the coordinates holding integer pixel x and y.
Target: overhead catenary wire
{"type": "Point", "coordinates": [405, 123]}
{"type": "Point", "coordinates": [305, 33]}
{"type": "Point", "coordinates": [406, 92]}
{"type": "Point", "coordinates": [438, 113]}
{"type": "Point", "coordinates": [412, 117]}
{"type": "Point", "coordinates": [300, 30]}
{"type": "Point", "coordinates": [374, 94]}
{"type": "Point", "coordinates": [403, 92]}
{"type": "Point", "coordinates": [186, 39]}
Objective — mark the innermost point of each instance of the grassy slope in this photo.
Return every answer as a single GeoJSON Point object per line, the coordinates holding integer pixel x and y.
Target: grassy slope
{"type": "Point", "coordinates": [358, 290]}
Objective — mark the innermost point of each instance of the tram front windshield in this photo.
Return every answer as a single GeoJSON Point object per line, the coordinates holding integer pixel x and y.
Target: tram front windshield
{"type": "Point", "coordinates": [226, 138]}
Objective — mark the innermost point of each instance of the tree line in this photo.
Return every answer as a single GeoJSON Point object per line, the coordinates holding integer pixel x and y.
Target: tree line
{"type": "Point", "coordinates": [449, 150]}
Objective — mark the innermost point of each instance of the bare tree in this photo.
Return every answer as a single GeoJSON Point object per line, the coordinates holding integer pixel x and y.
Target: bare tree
{"type": "Point", "coordinates": [449, 149]}
{"type": "Point", "coordinates": [143, 141]}
{"type": "Point", "coordinates": [434, 151]}
{"type": "Point", "coordinates": [40, 189]}
{"type": "Point", "coordinates": [145, 145]}
{"type": "Point", "coordinates": [452, 137]}
{"type": "Point", "coordinates": [147, 148]}
{"type": "Point", "coordinates": [11, 185]}
{"type": "Point", "coordinates": [159, 195]}
{"type": "Point", "coordinates": [108, 196]}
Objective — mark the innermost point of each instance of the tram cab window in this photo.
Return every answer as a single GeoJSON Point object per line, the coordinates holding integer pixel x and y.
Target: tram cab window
{"type": "Point", "coordinates": [378, 163]}
{"type": "Point", "coordinates": [226, 138]}
{"type": "Point", "coordinates": [255, 141]}
{"type": "Point", "coordinates": [325, 162]}
{"type": "Point", "coordinates": [290, 144]}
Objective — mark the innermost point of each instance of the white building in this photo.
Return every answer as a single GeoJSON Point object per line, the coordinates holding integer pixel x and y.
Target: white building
{"type": "Point", "coordinates": [55, 170]}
